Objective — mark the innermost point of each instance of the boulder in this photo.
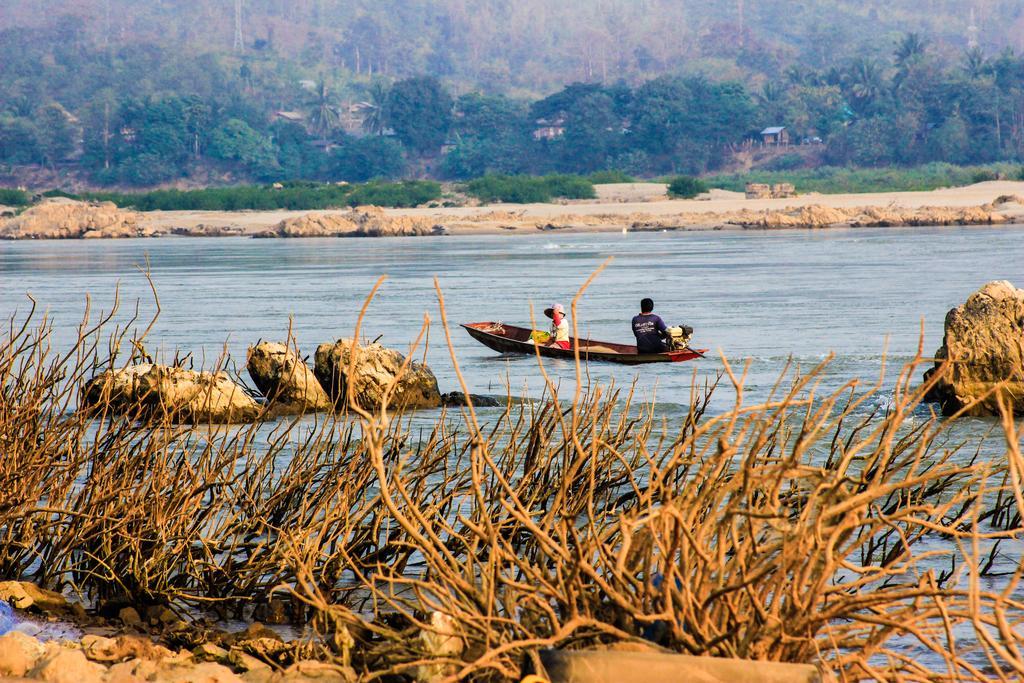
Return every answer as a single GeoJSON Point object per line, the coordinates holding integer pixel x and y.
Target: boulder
{"type": "Point", "coordinates": [61, 218]}
{"type": "Point", "coordinates": [28, 596]}
{"type": "Point", "coordinates": [758, 191]}
{"type": "Point", "coordinates": [184, 672]}
{"type": "Point", "coordinates": [308, 671]}
{"type": "Point", "coordinates": [129, 616]}
{"type": "Point", "coordinates": [192, 396]}
{"type": "Point", "coordinates": [633, 667]}
{"type": "Point", "coordinates": [783, 191]}
{"type": "Point", "coordinates": [376, 369]}
{"type": "Point", "coordinates": [209, 652]}
{"type": "Point", "coordinates": [64, 665]}
{"type": "Point", "coordinates": [18, 653]}
{"type": "Point", "coordinates": [442, 641]}
{"type": "Point", "coordinates": [984, 348]}
{"type": "Point", "coordinates": [363, 221]}
{"type": "Point", "coordinates": [117, 389]}
{"type": "Point", "coordinates": [315, 225]}
{"type": "Point", "coordinates": [132, 671]}
{"type": "Point", "coordinates": [121, 649]}
{"type": "Point", "coordinates": [457, 399]}
{"type": "Point", "coordinates": [243, 661]}
{"type": "Point", "coordinates": [287, 382]}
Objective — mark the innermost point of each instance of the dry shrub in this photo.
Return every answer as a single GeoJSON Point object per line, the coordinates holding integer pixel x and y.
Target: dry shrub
{"type": "Point", "coordinates": [807, 528]}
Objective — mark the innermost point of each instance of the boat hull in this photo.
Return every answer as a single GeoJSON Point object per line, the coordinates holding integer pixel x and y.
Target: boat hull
{"type": "Point", "coordinates": [511, 339]}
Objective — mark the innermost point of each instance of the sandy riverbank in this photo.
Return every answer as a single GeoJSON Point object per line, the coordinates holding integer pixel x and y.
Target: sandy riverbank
{"type": "Point", "coordinates": [633, 207]}
{"type": "Point", "coordinates": [617, 207]}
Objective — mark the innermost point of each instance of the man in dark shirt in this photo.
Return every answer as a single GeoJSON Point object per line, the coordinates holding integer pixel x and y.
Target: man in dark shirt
{"type": "Point", "coordinates": [649, 329]}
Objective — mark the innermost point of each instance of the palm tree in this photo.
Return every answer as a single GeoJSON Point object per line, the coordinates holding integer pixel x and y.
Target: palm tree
{"type": "Point", "coordinates": [910, 51]}
{"type": "Point", "coordinates": [865, 81]}
{"type": "Point", "coordinates": [376, 119]}
{"type": "Point", "coordinates": [975, 64]}
{"type": "Point", "coordinates": [324, 115]}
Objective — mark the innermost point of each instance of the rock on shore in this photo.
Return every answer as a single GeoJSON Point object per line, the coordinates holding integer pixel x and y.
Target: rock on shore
{"type": "Point", "coordinates": [287, 382]}
{"type": "Point", "coordinates": [816, 216]}
{"type": "Point", "coordinates": [61, 218]}
{"type": "Point", "coordinates": [984, 348]}
{"type": "Point", "coordinates": [376, 369]}
{"type": "Point", "coordinates": [135, 659]}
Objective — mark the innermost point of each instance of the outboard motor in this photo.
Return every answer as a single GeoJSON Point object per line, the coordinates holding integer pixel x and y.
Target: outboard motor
{"type": "Point", "coordinates": [679, 337]}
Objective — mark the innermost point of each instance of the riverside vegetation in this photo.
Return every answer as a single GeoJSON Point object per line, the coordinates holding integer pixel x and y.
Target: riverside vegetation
{"type": "Point", "coordinates": [805, 528]}
{"type": "Point", "coordinates": [513, 189]}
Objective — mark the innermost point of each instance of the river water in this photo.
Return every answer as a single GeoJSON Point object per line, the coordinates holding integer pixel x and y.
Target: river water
{"type": "Point", "coordinates": [761, 298]}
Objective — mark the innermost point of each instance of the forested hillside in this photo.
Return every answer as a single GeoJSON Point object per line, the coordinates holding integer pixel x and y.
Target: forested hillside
{"type": "Point", "coordinates": [533, 46]}
{"type": "Point", "coordinates": [130, 93]}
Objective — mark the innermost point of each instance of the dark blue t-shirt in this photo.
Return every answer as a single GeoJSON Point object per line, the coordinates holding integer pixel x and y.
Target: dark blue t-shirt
{"type": "Point", "coordinates": [649, 330]}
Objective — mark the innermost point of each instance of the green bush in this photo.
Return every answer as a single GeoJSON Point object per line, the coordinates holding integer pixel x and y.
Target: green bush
{"type": "Point", "coordinates": [522, 189]}
{"type": "Point", "coordinates": [570, 186]}
{"type": "Point", "coordinates": [294, 195]}
{"type": "Point", "coordinates": [50, 194]}
{"type": "Point", "coordinates": [12, 197]}
{"type": "Point", "coordinates": [686, 187]}
{"type": "Point", "coordinates": [835, 180]}
{"type": "Point", "coordinates": [513, 189]}
{"type": "Point", "coordinates": [786, 162]}
{"type": "Point", "coordinates": [609, 177]}
{"type": "Point", "coordinates": [406, 194]}
{"type": "Point", "coordinates": [984, 175]}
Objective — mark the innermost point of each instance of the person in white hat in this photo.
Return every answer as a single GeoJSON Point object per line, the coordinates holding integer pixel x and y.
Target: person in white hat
{"type": "Point", "coordinates": [559, 325]}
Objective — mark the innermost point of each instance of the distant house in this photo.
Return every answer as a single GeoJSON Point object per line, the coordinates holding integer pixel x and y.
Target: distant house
{"type": "Point", "coordinates": [293, 116]}
{"type": "Point", "coordinates": [549, 129]}
{"type": "Point", "coordinates": [775, 136]}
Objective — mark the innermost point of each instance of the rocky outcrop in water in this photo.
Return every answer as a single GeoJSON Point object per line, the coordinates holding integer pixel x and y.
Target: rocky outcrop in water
{"type": "Point", "coordinates": [287, 382]}
{"type": "Point", "coordinates": [364, 221]}
{"type": "Point", "coordinates": [192, 396]}
{"type": "Point", "coordinates": [115, 390]}
{"type": "Point", "coordinates": [179, 394]}
{"type": "Point", "coordinates": [376, 369]}
{"type": "Point", "coordinates": [68, 219]}
{"type": "Point", "coordinates": [983, 351]}
{"type": "Point", "coordinates": [153, 391]}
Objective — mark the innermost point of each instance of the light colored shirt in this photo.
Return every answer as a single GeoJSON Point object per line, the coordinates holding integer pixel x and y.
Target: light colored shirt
{"type": "Point", "coordinates": [560, 330]}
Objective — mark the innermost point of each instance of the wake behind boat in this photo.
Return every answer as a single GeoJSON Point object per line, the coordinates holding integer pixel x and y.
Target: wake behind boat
{"type": "Point", "coordinates": [511, 339]}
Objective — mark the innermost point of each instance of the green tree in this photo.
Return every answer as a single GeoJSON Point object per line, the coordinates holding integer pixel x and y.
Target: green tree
{"type": "Point", "coordinates": [950, 142]}
{"type": "Point", "coordinates": [297, 158]}
{"type": "Point", "coordinates": [492, 136]}
{"type": "Point", "coordinates": [375, 119]}
{"type": "Point", "coordinates": [361, 159]}
{"type": "Point", "coordinates": [235, 140]}
{"type": "Point", "coordinates": [56, 133]}
{"type": "Point", "coordinates": [910, 50]}
{"type": "Point", "coordinates": [19, 141]}
{"type": "Point", "coordinates": [323, 111]}
{"type": "Point", "coordinates": [975, 65]}
{"type": "Point", "coordinates": [865, 84]}
{"type": "Point", "coordinates": [419, 110]}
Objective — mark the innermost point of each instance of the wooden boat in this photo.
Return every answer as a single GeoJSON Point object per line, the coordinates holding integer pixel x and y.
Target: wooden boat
{"type": "Point", "coordinates": [511, 339]}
